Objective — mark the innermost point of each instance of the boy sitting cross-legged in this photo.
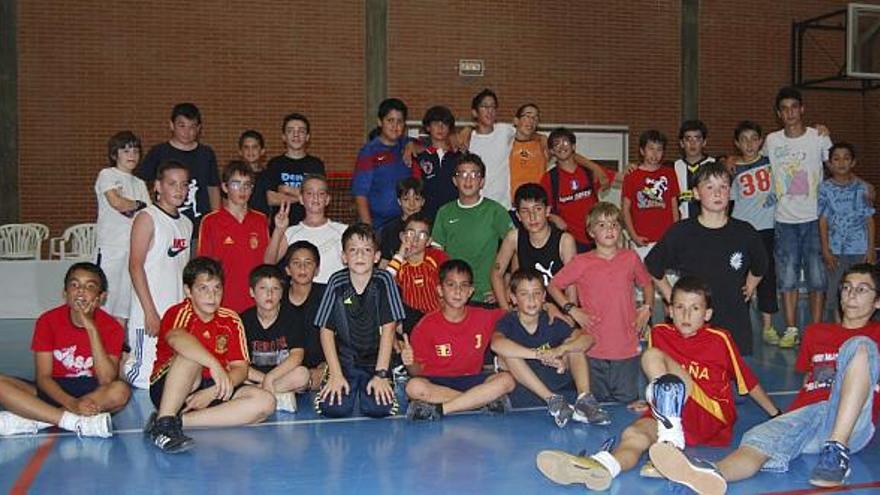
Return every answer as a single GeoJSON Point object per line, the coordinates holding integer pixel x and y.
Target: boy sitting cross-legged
{"type": "Point", "coordinates": [201, 365]}
{"type": "Point", "coordinates": [447, 352]}
{"type": "Point", "coordinates": [690, 366]}
{"type": "Point", "coordinates": [545, 356]}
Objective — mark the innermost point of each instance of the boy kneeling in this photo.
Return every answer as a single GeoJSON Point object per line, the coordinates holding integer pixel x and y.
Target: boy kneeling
{"type": "Point", "coordinates": [201, 363]}
{"type": "Point", "coordinates": [447, 352]}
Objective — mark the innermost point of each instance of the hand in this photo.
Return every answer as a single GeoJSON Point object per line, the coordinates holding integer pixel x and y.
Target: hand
{"type": "Point", "coordinates": [830, 261]}
{"type": "Point", "coordinates": [547, 358]}
{"type": "Point", "coordinates": [582, 318]}
{"type": "Point", "coordinates": [152, 322]}
{"type": "Point", "coordinates": [222, 382]}
{"type": "Point", "coordinates": [559, 222]}
{"type": "Point", "coordinates": [282, 218]}
{"type": "Point", "coordinates": [822, 129]}
{"type": "Point", "coordinates": [553, 312]}
{"type": "Point", "coordinates": [86, 312]}
{"type": "Point", "coordinates": [336, 387]}
{"type": "Point", "coordinates": [85, 407]}
{"type": "Point", "coordinates": [381, 390]}
{"type": "Point", "coordinates": [489, 297]}
{"type": "Point", "coordinates": [630, 167]}
{"type": "Point", "coordinates": [200, 399]}
{"type": "Point", "coordinates": [406, 352]}
{"type": "Point", "coordinates": [268, 383]}
{"type": "Point", "coordinates": [748, 292]}
{"type": "Point", "coordinates": [406, 246]}
{"type": "Point", "coordinates": [602, 178]}
{"type": "Point", "coordinates": [643, 315]}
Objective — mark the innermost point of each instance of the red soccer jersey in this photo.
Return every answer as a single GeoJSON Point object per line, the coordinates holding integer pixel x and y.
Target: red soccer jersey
{"type": "Point", "coordinates": [712, 360]}
{"type": "Point", "coordinates": [444, 348]}
{"type": "Point", "coordinates": [223, 336]}
{"type": "Point", "coordinates": [418, 283]}
{"type": "Point", "coordinates": [651, 195]}
{"type": "Point", "coordinates": [71, 352]}
{"type": "Point", "coordinates": [239, 246]}
{"type": "Point", "coordinates": [578, 193]}
{"type": "Point", "coordinates": [818, 359]}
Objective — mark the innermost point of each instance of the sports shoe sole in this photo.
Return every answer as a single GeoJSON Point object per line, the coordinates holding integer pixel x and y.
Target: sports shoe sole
{"type": "Point", "coordinates": [580, 418]}
{"type": "Point", "coordinates": [675, 466]}
{"type": "Point", "coordinates": [649, 471]}
{"type": "Point", "coordinates": [563, 468]}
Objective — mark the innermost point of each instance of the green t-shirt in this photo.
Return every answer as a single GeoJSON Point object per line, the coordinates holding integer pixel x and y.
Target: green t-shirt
{"type": "Point", "coordinates": [472, 234]}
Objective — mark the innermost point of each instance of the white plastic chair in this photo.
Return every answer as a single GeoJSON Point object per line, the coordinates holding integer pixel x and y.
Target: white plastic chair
{"type": "Point", "coordinates": [22, 241]}
{"type": "Point", "coordinates": [78, 242]}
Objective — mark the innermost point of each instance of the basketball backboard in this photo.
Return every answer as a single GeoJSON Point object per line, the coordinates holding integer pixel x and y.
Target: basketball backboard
{"type": "Point", "coordinates": [863, 41]}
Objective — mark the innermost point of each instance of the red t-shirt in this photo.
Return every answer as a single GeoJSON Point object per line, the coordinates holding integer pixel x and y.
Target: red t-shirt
{"type": "Point", "coordinates": [418, 283]}
{"type": "Point", "coordinates": [69, 344]}
{"type": "Point", "coordinates": [712, 360]}
{"type": "Point", "coordinates": [223, 336]}
{"type": "Point", "coordinates": [578, 193]}
{"type": "Point", "coordinates": [239, 246]}
{"type": "Point", "coordinates": [651, 194]}
{"type": "Point", "coordinates": [444, 348]}
{"type": "Point", "coordinates": [818, 359]}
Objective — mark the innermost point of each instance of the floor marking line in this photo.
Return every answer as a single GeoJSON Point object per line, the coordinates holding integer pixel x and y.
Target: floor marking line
{"type": "Point", "coordinates": [844, 488]}
{"type": "Point", "coordinates": [32, 468]}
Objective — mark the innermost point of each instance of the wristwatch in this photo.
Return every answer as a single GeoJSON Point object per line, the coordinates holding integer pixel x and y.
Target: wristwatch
{"type": "Point", "coordinates": [383, 374]}
{"type": "Point", "coordinates": [567, 307]}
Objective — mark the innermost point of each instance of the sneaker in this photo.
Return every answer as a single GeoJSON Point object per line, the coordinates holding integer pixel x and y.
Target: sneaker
{"type": "Point", "coordinates": [587, 410]}
{"type": "Point", "coordinates": [167, 435]}
{"type": "Point", "coordinates": [649, 471]}
{"type": "Point", "coordinates": [700, 476]}
{"type": "Point", "coordinates": [771, 336]}
{"type": "Point", "coordinates": [833, 467]}
{"type": "Point", "coordinates": [151, 421]}
{"type": "Point", "coordinates": [560, 409]}
{"type": "Point", "coordinates": [789, 338]}
{"type": "Point", "coordinates": [13, 424]}
{"type": "Point", "coordinates": [99, 425]}
{"type": "Point", "coordinates": [666, 395]}
{"type": "Point", "coordinates": [285, 401]}
{"type": "Point", "coordinates": [501, 405]}
{"type": "Point", "coordinates": [565, 469]}
{"type": "Point", "coordinates": [419, 410]}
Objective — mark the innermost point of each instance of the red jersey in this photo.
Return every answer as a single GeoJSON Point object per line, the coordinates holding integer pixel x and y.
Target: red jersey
{"type": "Point", "coordinates": [818, 359]}
{"type": "Point", "coordinates": [651, 195]}
{"type": "Point", "coordinates": [223, 336]}
{"type": "Point", "coordinates": [239, 247]}
{"type": "Point", "coordinates": [69, 344]}
{"type": "Point", "coordinates": [576, 197]}
{"type": "Point", "coordinates": [712, 360]}
{"type": "Point", "coordinates": [444, 348]}
{"type": "Point", "coordinates": [418, 283]}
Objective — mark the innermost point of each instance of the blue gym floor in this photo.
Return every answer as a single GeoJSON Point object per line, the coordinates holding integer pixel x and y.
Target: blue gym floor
{"type": "Point", "coordinates": [299, 453]}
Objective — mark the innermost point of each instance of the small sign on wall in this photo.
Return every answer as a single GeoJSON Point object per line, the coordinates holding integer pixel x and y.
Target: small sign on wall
{"type": "Point", "coordinates": [470, 67]}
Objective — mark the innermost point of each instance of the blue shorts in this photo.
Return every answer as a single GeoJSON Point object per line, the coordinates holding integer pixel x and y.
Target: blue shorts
{"type": "Point", "coordinates": [797, 248]}
{"type": "Point", "coordinates": [460, 383]}
{"type": "Point", "coordinates": [157, 388]}
{"type": "Point", "coordinates": [805, 430]}
{"type": "Point", "coordinates": [74, 387]}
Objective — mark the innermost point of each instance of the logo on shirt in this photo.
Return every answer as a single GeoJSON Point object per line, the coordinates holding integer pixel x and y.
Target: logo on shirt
{"type": "Point", "coordinates": [736, 260]}
{"type": "Point", "coordinates": [454, 220]}
{"type": "Point", "coordinates": [427, 167]}
{"type": "Point", "coordinates": [651, 196]}
{"type": "Point", "coordinates": [253, 241]}
{"type": "Point", "coordinates": [228, 241]}
{"type": "Point", "coordinates": [75, 365]}
{"type": "Point", "coordinates": [177, 246]}
{"type": "Point", "coordinates": [221, 344]}
{"type": "Point", "coordinates": [697, 371]}
{"type": "Point", "coordinates": [546, 273]}
{"type": "Point", "coordinates": [443, 350]}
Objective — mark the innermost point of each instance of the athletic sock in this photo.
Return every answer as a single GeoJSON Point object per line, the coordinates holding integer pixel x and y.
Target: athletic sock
{"type": "Point", "coordinates": [608, 461]}
{"type": "Point", "coordinates": [69, 421]}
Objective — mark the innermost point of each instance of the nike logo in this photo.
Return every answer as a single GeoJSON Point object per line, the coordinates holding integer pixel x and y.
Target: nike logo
{"type": "Point", "coordinates": [454, 220]}
{"type": "Point", "coordinates": [172, 252]}
{"type": "Point", "coordinates": [177, 246]}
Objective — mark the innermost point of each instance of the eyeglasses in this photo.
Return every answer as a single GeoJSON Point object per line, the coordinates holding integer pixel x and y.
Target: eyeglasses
{"type": "Point", "coordinates": [416, 234]}
{"type": "Point", "coordinates": [488, 106]}
{"type": "Point", "coordinates": [235, 185]}
{"type": "Point", "coordinates": [461, 286]}
{"type": "Point", "coordinates": [859, 290]}
{"type": "Point", "coordinates": [471, 174]}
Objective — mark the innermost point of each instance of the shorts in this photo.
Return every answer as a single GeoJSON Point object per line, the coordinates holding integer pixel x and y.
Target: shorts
{"type": "Point", "coordinates": [74, 387]}
{"type": "Point", "coordinates": [615, 380]}
{"type": "Point", "coordinates": [797, 248]}
{"type": "Point", "coordinates": [805, 430]}
{"type": "Point", "coordinates": [142, 355]}
{"type": "Point", "coordinates": [157, 388]}
{"type": "Point", "coordinates": [460, 383]}
{"type": "Point", "coordinates": [114, 263]}
{"type": "Point", "coordinates": [556, 382]}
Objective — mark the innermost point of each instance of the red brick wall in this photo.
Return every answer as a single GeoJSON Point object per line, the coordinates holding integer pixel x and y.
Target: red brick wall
{"type": "Point", "coordinates": [90, 68]}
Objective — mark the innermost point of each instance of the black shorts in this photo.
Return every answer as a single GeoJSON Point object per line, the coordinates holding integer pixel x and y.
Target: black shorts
{"type": "Point", "coordinates": [74, 387]}
{"type": "Point", "coordinates": [556, 382]}
{"type": "Point", "coordinates": [460, 383]}
{"type": "Point", "coordinates": [615, 380]}
{"type": "Point", "coordinates": [157, 388]}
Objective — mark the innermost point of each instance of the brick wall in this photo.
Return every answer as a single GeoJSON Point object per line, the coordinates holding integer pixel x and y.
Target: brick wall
{"type": "Point", "coordinates": [90, 68]}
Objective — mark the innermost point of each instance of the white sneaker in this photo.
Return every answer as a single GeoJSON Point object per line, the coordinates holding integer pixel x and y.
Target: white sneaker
{"type": "Point", "coordinates": [13, 424]}
{"type": "Point", "coordinates": [285, 401]}
{"type": "Point", "coordinates": [99, 425]}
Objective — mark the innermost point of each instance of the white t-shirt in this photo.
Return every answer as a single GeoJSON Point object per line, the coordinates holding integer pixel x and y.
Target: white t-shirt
{"type": "Point", "coordinates": [494, 149]}
{"type": "Point", "coordinates": [114, 228]}
{"type": "Point", "coordinates": [797, 173]}
{"type": "Point", "coordinates": [328, 239]}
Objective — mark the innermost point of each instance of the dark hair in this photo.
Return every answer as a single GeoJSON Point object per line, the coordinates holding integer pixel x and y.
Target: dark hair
{"type": "Point", "coordinates": [92, 268]}
{"type": "Point", "coordinates": [265, 271]}
{"type": "Point", "coordinates": [170, 165]}
{"type": "Point", "coordinates": [747, 125]}
{"type": "Point", "coordinates": [390, 104]}
{"type": "Point", "coordinates": [296, 246]}
{"type": "Point", "coordinates": [360, 229]}
{"type": "Point", "coordinates": [317, 177]}
{"type": "Point", "coordinates": [714, 169]}
{"type": "Point", "coordinates": [561, 133]}
{"type": "Point", "coordinates": [237, 167]}
{"type": "Point", "coordinates": [525, 274]}
{"type": "Point", "coordinates": [693, 285]}
{"type": "Point", "coordinates": [438, 113]}
{"type": "Point", "coordinates": [188, 110]}
{"type": "Point", "coordinates": [864, 269]}
{"type": "Point", "coordinates": [456, 265]}
{"type": "Point", "coordinates": [201, 265]}
{"type": "Point", "coordinates": [296, 116]}
{"type": "Point", "coordinates": [522, 108]}
{"type": "Point", "coordinates": [652, 136]}
{"type": "Point", "coordinates": [471, 158]}
{"type": "Point", "coordinates": [251, 134]}
{"type": "Point", "coordinates": [409, 184]}
{"type": "Point", "coordinates": [787, 93]}
{"type": "Point", "coordinates": [479, 97]}
{"type": "Point", "coordinates": [119, 141]}
{"type": "Point", "coordinates": [529, 191]}
{"type": "Point", "coordinates": [843, 145]}
{"type": "Point", "coordinates": [418, 216]}
{"type": "Point", "coordinates": [693, 125]}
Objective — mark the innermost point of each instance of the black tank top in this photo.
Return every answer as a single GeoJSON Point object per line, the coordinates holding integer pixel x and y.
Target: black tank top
{"type": "Point", "coordinates": [545, 259]}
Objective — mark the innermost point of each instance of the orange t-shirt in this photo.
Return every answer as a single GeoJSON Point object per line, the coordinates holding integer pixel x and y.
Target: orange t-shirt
{"type": "Point", "coordinates": [527, 164]}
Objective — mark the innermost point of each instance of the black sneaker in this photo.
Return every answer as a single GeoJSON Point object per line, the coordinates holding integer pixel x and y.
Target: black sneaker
{"type": "Point", "coordinates": [423, 411]}
{"type": "Point", "coordinates": [151, 421]}
{"type": "Point", "coordinates": [167, 435]}
{"type": "Point", "coordinates": [500, 405]}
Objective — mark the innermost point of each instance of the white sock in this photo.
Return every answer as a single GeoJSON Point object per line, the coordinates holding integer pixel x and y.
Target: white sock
{"type": "Point", "coordinates": [69, 421]}
{"type": "Point", "coordinates": [41, 425]}
{"type": "Point", "coordinates": [606, 459]}
{"type": "Point", "coordinates": [674, 435]}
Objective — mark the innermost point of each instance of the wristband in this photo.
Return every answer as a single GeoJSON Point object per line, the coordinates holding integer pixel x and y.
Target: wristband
{"type": "Point", "coordinates": [383, 374]}
{"type": "Point", "coordinates": [567, 307]}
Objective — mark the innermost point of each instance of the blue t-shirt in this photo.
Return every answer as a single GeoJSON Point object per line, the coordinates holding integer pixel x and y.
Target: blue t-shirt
{"type": "Point", "coordinates": [846, 208]}
{"type": "Point", "coordinates": [378, 169]}
{"type": "Point", "coordinates": [754, 200]}
{"type": "Point", "coordinates": [547, 335]}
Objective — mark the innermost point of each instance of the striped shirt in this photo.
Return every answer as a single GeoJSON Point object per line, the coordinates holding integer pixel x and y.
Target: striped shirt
{"type": "Point", "coordinates": [418, 283]}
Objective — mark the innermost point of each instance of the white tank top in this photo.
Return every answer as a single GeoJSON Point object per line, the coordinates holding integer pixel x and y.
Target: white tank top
{"type": "Point", "coordinates": [494, 149]}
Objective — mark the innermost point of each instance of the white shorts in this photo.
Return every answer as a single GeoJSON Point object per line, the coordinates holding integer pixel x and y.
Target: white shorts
{"type": "Point", "coordinates": [114, 263]}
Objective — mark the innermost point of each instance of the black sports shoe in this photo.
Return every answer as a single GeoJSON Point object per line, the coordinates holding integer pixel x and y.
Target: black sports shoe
{"type": "Point", "coordinates": [501, 405]}
{"type": "Point", "coordinates": [167, 435]}
{"type": "Point", "coordinates": [151, 421]}
{"type": "Point", "coordinates": [423, 411]}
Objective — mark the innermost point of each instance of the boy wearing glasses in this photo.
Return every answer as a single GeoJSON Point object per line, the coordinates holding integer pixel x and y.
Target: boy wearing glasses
{"type": "Point", "coordinates": [416, 266]}
{"type": "Point", "coordinates": [471, 227]}
{"type": "Point", "coordinates": [235, 235]}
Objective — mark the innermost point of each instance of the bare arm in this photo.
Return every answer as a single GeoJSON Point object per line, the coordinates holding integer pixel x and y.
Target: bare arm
{"type": "Point", "coordinates": [665, 289]}
{"type": "Point", "coordinates": [386, 346]}
{"type": "Point", "coordinates": [106, 366]}
{"type": "Point", "coordinates": [214, 197]}
{"type": "Point", "coordinates": [507, 348]}
{"type": "Point", "coordinates": [190, 348]}
{"type": "Point", "coordinates": [597, 170]}
{"type": "Point", "coordinates": [502, 261]}
{"type": "Point", "coordinates": [676, 214]}
{"type": "Point", "coordinates": [764, 400]}
{"type": "Point", "coordinates": [827, 255]}
{"type": "Point", "coordinates": [119, 202]}
{"type": "Point", "coordinates": [141, 241]}
{"type": "Point", "coordinates": [294, 359]}
{"type": "Point", "coordinates": [275, 198]}
{"type": "Point", "coordinates": [628, 223]}
{"type": "Point", "coordinates": [45, 382]}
